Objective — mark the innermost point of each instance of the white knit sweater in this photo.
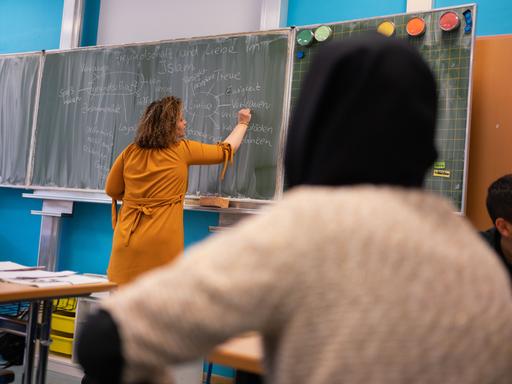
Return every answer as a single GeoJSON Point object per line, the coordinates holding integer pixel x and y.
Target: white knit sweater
{"type": "Point", "coordinates": [346, 285]}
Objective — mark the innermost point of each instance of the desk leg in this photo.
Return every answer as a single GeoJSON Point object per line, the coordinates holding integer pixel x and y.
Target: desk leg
{"type": "Point", "coordinates": [44, 342]}
{"type": "Point", "coordinates": [30, 343]}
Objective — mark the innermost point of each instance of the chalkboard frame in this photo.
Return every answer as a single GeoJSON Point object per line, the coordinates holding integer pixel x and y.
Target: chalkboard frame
{"type": "Point", "coordinates": [237, 203]}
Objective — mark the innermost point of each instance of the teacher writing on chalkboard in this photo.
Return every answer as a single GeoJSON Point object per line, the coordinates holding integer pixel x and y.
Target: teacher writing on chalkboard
{"type": "Point", "coordinates": [150, 177]}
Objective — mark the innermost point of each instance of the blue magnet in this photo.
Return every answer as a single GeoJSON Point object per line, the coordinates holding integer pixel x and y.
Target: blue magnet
{"type": "Point", "coordinates": [468, 18]}
{"type": "Point", "coordinates": [300, 55]}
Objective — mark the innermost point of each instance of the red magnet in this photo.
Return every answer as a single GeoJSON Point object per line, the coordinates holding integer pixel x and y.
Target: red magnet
{"type": "Point", "coordinates": [449, 21]}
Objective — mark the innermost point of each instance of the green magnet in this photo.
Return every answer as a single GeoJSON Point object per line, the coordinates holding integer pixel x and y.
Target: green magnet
{"type": "Point", "coordinates": [439, 165]}
{"type": "Point", "coordinates": [323, 33]}
{"type": "Point", "coordinates": [305, 37]}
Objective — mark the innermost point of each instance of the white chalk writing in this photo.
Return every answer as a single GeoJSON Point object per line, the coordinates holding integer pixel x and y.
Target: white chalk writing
{"type": "Point", "coordinates": [173, 67]}
{"type": "Point", "coordinates": [253, 104]}
{"type": "Point", "coordinates": [107, 109]}
{"type": "Point", "coordinates": [219, 50]}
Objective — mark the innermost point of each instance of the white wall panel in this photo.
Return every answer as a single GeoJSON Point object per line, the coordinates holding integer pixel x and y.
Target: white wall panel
{"type": "Point", "coordinates": [127, 21]}
{"type": "Point", "coordinates": [420, 5]}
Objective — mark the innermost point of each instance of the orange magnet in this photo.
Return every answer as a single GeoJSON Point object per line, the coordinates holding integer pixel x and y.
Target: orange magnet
{"type": "Point", "coordinates": [416, 27]}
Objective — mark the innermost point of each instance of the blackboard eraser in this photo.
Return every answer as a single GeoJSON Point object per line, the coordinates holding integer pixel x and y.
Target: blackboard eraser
{"type": "Point", "coordinates": [214, 201]}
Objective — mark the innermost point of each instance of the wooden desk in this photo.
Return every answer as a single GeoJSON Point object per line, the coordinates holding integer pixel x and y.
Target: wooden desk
{"type": "Point", "coordinates": [17, 292]}
{"type": "Point", "coordinates": [244, 353]}
{"type": "Point", "coordinates": [38, 332]}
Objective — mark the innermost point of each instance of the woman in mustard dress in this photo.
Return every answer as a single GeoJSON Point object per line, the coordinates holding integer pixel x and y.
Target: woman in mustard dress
{"type": "Point", "coordinates": [150, 177]}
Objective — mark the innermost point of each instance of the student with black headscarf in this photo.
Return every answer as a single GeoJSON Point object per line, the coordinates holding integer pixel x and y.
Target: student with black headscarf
{"type": "Point", "coordinates": [356, 276]}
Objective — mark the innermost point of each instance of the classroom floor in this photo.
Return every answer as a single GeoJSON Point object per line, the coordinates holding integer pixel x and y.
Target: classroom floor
{"type": "Point", "coordinates": [60, 372]}
{"type": "Point", "coordinates": [51, 378]}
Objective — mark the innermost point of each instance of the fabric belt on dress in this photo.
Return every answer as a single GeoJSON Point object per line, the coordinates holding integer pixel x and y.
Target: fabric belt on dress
{"type": "Point", "coordinates": [228, 157]}
{"type": "Point", "coordinates": [144, 206]}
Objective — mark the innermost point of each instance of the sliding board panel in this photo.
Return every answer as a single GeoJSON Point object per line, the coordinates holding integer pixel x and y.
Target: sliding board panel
{"type": "Point", "coordinates": [449, 55]}
{"type": "Point", "coordinates": [92, 99]}
{"type": "Point", "coordinates": [18, 89]}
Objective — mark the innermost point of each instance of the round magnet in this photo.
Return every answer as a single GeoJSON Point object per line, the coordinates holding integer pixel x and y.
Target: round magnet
{"type": "Point", "coordinates": [386, 28]}
{"type": "Point", "coordinates": [300, 55]}
{"type": "Point", "coordinates": [449, 21]}
{"type": "Point", "coordinates": [305, 37]}
{"type": "Point", "coordinates": [322, 33]}
{"type": "Point", "coordinates": [416, 27]}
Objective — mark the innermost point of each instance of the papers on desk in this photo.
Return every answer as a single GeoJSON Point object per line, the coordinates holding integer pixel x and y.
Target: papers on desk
{"type": "Point", "coordinates": [33, 274]}
{"type": "Point", "coordinates": [10, 266]}
{"type": "Point", "coordinates": [38, 278]}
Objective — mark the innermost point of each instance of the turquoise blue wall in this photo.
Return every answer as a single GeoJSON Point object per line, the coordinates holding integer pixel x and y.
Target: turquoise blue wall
{"type": "Point", "coordinates": [494, 17]}
{"type": "Point", "coordinates": [90, 23]}
{"type": "Point", "coordinates": [19, 230]}
{"type": "Point", "coordinates": [30, 25]}
{"type": "Point", "coordinates": [304, 12]}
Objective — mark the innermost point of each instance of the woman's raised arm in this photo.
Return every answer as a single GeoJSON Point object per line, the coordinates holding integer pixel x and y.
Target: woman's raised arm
{"type": "Point", "coordinates": [236, 136]}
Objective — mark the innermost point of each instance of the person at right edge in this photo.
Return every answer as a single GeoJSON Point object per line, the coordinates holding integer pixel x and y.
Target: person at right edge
{"type": "Point", "coordinates": [357, 275]}
{"type": "Point", "coordinates": [499, 207]}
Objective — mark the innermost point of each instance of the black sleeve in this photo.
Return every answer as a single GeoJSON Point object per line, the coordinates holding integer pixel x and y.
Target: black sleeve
{"type": "Point", "coordinates": [99, 349]}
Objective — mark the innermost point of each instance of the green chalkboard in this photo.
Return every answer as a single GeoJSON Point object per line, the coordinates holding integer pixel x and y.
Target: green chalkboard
{"type": "Point", "coordinates": [91, 100]}
{"type": "Point", "coordinates": [18, 85]}
{"type": "Point", "coordinates": [449, 55]}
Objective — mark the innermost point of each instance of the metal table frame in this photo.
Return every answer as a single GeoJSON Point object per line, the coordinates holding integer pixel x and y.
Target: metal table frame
{"type": "Point", "coordinates": [37, 328]}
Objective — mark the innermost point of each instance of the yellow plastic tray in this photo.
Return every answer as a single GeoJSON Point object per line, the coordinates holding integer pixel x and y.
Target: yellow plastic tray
{"type": "Point", "coordinates": [67, 304]}
{"type": "Point", "coordinates": [63, 323]}
{"type": "Point", "coordinates": [61, 344]}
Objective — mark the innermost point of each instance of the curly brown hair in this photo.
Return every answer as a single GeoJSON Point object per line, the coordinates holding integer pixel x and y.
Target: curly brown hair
{"type": "Point", "coordinates": [158, 124]}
